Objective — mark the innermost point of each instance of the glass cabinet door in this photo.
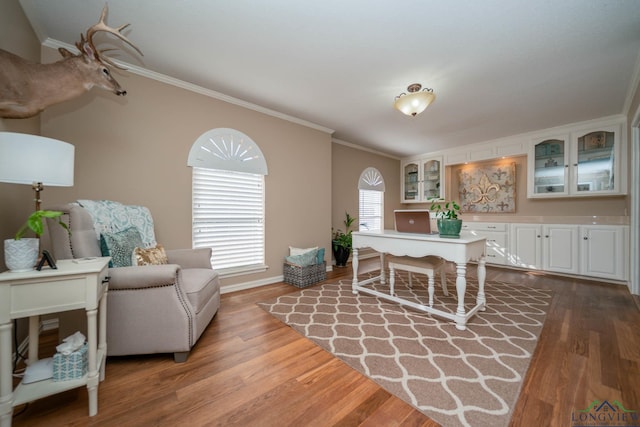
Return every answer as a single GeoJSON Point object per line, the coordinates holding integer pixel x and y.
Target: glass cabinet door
{"type": "Point", "coordinates": [432, 175]}
{"type": "Point", "coordinates": [411, 181]}
{"type": "Point", "coordinates": [595, 162]}
{"type": "Point", "coordinates": [550, 167]}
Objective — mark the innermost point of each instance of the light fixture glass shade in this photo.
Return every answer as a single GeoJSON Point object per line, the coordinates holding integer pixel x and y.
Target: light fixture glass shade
{"type": "Point", "coordinates": [414, 102]}
{"type": "Point", "coordinates": [28, 159]}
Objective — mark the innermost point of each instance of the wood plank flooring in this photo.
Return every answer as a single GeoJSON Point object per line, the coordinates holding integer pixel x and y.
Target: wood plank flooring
{"type": "Point", "coordinates": [248, 369]}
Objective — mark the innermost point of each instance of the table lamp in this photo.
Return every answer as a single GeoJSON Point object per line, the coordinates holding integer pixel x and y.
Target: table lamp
{"type": "Point", "coordinates": [35, 160]}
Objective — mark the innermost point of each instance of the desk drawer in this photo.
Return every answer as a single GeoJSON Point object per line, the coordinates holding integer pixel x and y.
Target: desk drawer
{"type": "Point", "coordinates": [484, 226]}
{"type": "Point", "coordinates": [496, 245]}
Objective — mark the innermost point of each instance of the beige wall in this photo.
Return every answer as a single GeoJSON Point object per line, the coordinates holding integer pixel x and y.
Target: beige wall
{"type": "Point", "coordinates": [16, 201]}
{"type": "Point", "coordinates": [134, 150]}
{"type": "Point", "coordinates": [347, 165]}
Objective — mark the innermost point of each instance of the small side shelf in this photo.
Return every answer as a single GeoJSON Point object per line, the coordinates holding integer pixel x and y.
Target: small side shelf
{"type": "Point", "coordinates": [25, 393]}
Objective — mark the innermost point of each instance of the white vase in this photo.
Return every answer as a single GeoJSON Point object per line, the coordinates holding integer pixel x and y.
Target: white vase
{"type": "Point", "coordinates": [21, 255]}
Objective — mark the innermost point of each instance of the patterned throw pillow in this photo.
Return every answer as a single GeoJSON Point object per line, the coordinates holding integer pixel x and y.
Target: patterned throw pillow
{"type": "Point", "coordinates": [299, 251]}
{"type": "Point", "coordinates": [150, 256]}
{"type": "Point", "coordinates": [119, 246]}
{"type": "Point", "coordinates": [303, 260]}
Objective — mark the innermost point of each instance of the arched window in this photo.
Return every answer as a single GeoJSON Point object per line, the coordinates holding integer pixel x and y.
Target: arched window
{"type": "Point", "coordinates": [371, 189]}
{"type": "Point", "coordinates": [228, 200]}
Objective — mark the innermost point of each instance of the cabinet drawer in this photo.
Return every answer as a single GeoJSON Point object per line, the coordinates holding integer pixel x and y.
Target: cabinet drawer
{"type": "Point", "coordinates": [488, 226]}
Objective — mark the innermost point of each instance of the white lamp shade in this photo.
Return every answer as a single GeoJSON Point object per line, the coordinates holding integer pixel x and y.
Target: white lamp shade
{"type": "Point", "coordinates": [25, 159]}
{"type": "Point", "coordinates": [414, 103]}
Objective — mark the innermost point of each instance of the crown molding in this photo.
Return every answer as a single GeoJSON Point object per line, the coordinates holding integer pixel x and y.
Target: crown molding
{"type": "Point", "coordinates": [361, 148]}
{"type": "Point", "coordinates": [134, 69]}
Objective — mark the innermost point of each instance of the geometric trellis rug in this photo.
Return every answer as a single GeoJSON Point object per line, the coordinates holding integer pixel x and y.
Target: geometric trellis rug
{"type": "Point", "coordinates": [457, 378]}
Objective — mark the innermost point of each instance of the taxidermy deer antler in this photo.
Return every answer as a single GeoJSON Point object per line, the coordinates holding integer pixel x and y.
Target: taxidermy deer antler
{"type": "Point", "coordinates": [27, 88]}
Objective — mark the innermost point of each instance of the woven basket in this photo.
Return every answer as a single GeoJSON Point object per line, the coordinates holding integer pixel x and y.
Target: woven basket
{"type": "Point", "coordinates": [301, 277]}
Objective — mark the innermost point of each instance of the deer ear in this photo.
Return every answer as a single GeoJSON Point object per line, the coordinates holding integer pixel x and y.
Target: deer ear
{"type": "Point", "coordinates": [65, 53]}
{"type": "Point", "coordinates": [88, 50]}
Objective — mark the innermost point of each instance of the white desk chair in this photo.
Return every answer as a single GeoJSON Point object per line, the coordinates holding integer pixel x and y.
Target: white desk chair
{"type": "Point", "coordinates": [429, 266]}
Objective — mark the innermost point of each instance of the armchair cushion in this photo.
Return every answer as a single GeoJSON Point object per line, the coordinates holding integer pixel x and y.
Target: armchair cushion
{"type": "Point", "coordinates": [199, 285]}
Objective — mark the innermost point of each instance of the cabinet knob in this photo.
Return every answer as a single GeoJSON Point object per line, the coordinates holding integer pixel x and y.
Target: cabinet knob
{"type": "Point", "coordinates": [566, 166]}
{"type": "Point", "coordinates": [575, 164]}
{"type": "Point", "coordinates": [538, 236]}
{"type": "Point", "coordinates": [585, 238]}
{"type": "Point", "coordinates": [546, 237]}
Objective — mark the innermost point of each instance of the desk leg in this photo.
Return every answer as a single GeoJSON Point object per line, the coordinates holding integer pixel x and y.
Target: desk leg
{"type": "Point", "coordinates": [482, 274]}
{"type": "Point", "coordinates": [354, 265]}
{"type": "Point", "coordinates": [6, 383]}
{"type": "Point", "coordinates": [92, 377]}
{"type": "Point", "coordinates": [461, 288]}
{"type": "Point", "coordinates": [383, 278]}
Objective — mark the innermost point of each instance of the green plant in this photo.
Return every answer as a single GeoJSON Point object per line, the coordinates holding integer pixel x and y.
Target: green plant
{"type": "Point", "coordinates": [341, 238]}
{"type": "Point", "coordinates": [449, 211]}
{"type": "Point", "coordinates": [34, 223]}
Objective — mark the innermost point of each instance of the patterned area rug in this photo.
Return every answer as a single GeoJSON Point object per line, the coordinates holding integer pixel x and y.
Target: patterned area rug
{"type": "Point", "coordinates": [457, 378]}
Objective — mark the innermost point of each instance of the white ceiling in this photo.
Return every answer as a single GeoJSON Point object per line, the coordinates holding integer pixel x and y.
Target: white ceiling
{"type": "Point", "coordinates": [498, 67]}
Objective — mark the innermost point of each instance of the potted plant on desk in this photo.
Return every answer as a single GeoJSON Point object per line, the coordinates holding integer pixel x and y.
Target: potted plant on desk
{"type": "Point", "coordinates": [342, 242]}
{"type": "Point", "coordinates": [20, 253]}
{"type": "Point", "coordinates": [449, 225]}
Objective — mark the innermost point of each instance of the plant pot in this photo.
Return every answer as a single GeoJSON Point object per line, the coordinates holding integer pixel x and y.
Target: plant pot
{"type": "Point", "coordinates": [341, 254]}
{"type": "Point", "coordinates": [449, 228]}
{"type": "Point", "coordinates": [21, 255]}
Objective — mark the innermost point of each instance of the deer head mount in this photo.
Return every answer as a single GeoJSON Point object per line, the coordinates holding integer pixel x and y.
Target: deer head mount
{"type": "Point", "coordinates": [27, 88]}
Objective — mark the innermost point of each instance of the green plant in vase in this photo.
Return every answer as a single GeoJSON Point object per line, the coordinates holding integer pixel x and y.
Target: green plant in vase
{"type": "Point", "coordinates": [20, 253]}
{"type": "Point", "coordinates": [449, 225]}
{"type": "Point", "coordinates": [342, 241]}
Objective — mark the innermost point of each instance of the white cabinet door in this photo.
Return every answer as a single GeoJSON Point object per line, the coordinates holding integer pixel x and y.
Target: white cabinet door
{"type": "Point", "coordinates": [604, 251]}
{"type": "Point", "coordinates": [560, 248]}
{"type": "Point", "coordinates": [548, 167]}
{"type": "Point", "coordinates": [422, 180]}
{"type": "Point", "coordinates": [526, 246]}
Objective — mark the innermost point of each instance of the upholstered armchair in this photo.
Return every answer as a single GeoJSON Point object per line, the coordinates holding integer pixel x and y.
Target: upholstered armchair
{"type": "Point", "coordinates": [151, 308]}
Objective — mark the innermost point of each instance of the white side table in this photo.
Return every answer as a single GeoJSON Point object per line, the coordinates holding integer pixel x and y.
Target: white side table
{"type": "Point", "coordinates": [74, 285]}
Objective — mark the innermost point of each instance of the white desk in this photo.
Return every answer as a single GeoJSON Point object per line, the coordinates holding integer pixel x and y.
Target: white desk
{"type": "Point", "coordinates": [72, 286]}
{"type": "Point", "coordinates": [461, 251]}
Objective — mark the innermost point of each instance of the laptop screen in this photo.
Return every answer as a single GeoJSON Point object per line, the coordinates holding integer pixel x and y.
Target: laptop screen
{"type": "Point", "coordinates": [413, 221]}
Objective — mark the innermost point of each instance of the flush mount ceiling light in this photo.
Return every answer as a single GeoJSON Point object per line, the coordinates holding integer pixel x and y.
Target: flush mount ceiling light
{"type": "Point", "coordinates": [416, 101]}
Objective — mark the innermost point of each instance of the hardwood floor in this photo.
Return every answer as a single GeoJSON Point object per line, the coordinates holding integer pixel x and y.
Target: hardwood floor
{"type": "Point", "coordinates": [248, 369]}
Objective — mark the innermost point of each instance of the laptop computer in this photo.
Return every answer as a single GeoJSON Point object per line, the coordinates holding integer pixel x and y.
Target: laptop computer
{"type": "Point", "coordinates": [413, 221]}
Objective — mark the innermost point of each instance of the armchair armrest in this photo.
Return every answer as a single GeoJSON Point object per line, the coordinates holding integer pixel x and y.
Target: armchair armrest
{"type": "Point", "coordinates": [140, 277]}
{"type": "Point", "coordinates": [190, 258]}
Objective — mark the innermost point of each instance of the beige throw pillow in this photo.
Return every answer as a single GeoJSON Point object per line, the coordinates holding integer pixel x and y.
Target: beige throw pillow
{"type": "Point", "coordinates": [150, 256]}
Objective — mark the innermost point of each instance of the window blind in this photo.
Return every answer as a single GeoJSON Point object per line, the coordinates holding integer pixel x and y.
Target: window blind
{"type": "Point", "coordinates": [371, 210]}
{"type": "Point", "coordinates": [228, 217]}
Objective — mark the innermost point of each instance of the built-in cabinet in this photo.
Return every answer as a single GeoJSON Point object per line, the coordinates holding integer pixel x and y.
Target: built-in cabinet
{"type": "Point", "coordinates": [422, 180]}
{"type": "Point", "coordinates": [545, 247]}
{"type": "Point", "coordinates": [604, 251]}
{"type": "Point", "coordinates": [580, 163]}
{"type": "Point", "coordinates": [588, 250]}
